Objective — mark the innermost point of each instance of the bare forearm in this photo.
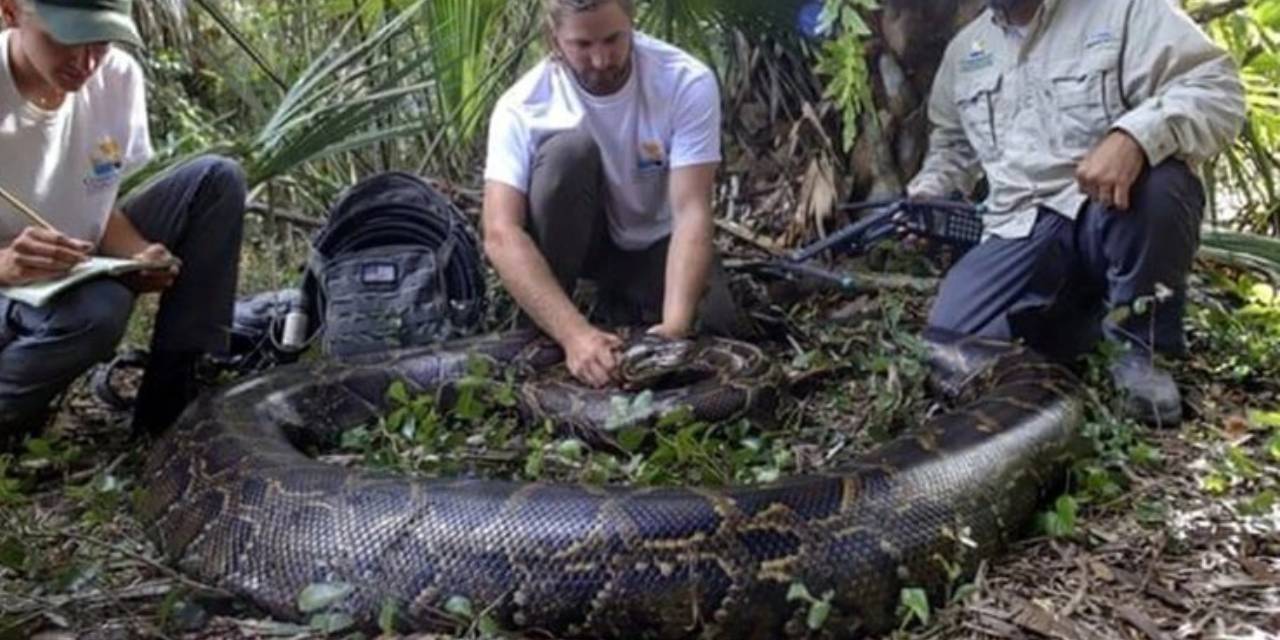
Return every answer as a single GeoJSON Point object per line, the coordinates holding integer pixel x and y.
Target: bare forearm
{"type": "Point", "coordinates": [688, 269]}
{"type": "Point", "coordinates": [529, 279]}
{"type": "Point", "coordinates": [121, 239]}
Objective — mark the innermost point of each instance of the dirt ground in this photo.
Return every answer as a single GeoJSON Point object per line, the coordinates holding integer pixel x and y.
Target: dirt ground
{"type": "Point", "coordinates": [1179, 539]}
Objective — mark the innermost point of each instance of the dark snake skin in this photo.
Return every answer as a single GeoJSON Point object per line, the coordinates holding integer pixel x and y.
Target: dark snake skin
{"type": "Point", "coordinates": [233, 502]}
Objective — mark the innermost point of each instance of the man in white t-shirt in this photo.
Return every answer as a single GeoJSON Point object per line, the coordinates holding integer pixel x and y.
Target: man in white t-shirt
{"type": "Point", "coordinates": [601, 163]}
{"type": "Point", "coordinates": [73, 124]}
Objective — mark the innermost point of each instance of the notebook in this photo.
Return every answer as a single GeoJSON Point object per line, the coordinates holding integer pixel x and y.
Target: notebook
{"type": "Point", "coordinates": [38, 294]}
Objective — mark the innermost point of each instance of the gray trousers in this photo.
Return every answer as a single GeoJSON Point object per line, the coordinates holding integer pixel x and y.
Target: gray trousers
{"type": "Point", "coordinates": [197, 211]}
{"type": "Point", "coordinates": [567, 221]}
{"type": "Point", "coordinates": [1056, 288]}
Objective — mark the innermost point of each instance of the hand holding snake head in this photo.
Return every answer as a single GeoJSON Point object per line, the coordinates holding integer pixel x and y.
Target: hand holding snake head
{"type": "Point", "coordinates": [648, 358]}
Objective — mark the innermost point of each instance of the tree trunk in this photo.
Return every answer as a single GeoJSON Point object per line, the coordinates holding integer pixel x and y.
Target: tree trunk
{"type": "Point", "coordinates": [912, 36]}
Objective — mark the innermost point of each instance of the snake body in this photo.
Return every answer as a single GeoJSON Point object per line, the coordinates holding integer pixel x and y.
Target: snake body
{"type": "Point", "coordinates": [234, 503]}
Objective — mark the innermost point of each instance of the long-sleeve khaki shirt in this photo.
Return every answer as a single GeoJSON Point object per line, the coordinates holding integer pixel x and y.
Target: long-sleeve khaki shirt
{"type": "Point", "coordinates": [1025, 108]}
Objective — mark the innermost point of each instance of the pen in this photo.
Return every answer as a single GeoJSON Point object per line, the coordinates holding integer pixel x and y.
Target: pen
{"type": "Point", "coordinates": [30, 213]}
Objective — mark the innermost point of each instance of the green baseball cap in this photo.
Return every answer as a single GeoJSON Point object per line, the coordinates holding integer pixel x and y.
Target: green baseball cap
{"type": "Point", "coordinates": [84, 21]}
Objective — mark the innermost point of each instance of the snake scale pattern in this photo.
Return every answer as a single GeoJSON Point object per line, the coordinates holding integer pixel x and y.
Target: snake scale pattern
{"type": "Point", "coordinates": [233, 502]}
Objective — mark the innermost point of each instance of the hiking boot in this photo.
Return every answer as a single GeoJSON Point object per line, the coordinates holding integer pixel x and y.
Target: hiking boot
{"type": "Point", "coordinates": [168, 386]}
{"type": "Point", "coordinates": [1151, 396]}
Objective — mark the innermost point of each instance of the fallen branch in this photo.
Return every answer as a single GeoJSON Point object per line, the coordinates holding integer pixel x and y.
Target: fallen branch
{"type": "Point", "coordinates": [740, 232]}
{"type": "Point", "coordinates": [1141, 622]}
{"type": "Point", "coordinates": [156, 565]}
{"type": "Point", "coordinates": [1211, 12]}
{"type": "Point", "coordinates": [90, 599]}
{"type": "Point", "coordinates": [296, 219]}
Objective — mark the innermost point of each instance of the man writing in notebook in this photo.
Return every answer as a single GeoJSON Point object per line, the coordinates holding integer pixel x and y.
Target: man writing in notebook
{"type": "Point", "coordinates": [73, 124]}
{"type": "Point", "coordinates": [601, 163]}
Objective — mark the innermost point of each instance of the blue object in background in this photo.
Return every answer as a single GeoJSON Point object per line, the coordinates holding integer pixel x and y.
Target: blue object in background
{"type": "Point", "coordinates": [809, 19]}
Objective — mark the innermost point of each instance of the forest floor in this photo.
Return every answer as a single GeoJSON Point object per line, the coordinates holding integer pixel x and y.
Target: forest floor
{"type": "Point", "coordinates": [1171, 533]}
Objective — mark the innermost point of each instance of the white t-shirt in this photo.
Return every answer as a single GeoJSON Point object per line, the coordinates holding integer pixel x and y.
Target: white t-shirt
{"type": "Point", "coordinates": [67, 164]}
{"type": "Point", "coordinates": [667, 116]}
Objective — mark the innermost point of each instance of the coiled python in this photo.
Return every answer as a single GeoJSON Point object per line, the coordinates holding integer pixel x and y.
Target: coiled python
{"type": "Point", "coordinates": [234, 503]}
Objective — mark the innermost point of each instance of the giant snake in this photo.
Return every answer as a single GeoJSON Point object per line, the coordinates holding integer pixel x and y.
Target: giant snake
{"type": "Point", "coordinates": [233, 502]}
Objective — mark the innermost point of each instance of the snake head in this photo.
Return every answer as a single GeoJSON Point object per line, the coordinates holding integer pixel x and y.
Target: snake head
{"type": "Point", "coordinates": [648, 359]}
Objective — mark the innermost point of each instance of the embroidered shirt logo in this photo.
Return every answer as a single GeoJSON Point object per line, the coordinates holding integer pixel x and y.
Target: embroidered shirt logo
{"type": "Point", "coordinates": [652, 156]}
{"type": "Point", "coordinates": [1100, 38]}
{"type": "Point", "coordinates": [979, 57]}
{"type": "Point", "coordinates": [106, 162]}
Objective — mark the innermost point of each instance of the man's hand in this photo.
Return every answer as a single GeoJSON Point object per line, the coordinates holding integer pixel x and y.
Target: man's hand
{"type": "Point", "coordinates": [669, 332]}
{"type": "Point", "coordinates": [40, 254]}
{"type": "Point", "coordinates": [911, 241]}
{"type": "Point", "coordinates": [1108, 173]}
{"type": "Point", "coordinates": [153, 280]}
{"type": "Point", "coordinates": [592, 356]}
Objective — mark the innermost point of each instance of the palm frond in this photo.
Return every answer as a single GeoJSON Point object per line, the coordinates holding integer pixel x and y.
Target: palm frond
{"type": "Point", "coordinates": [340, 97]}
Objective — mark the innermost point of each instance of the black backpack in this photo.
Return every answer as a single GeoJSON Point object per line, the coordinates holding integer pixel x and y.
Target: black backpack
{"type": "Point", "coordinates": [395, 266]}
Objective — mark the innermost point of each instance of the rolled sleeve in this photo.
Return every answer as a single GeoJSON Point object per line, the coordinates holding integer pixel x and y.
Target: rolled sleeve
{"type": "Point", "coordinates": [1186, 93]}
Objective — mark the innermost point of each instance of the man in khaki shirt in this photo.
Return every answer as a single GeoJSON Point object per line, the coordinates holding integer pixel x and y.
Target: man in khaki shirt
{"type": "Point", "coordinates": [1090, 119]}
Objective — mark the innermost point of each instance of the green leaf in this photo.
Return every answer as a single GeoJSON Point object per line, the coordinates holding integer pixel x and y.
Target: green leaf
{"type": "Point", "coordinates": [1061, 522]}
{"type": "Point", "coordinates": [572, 449]}
{"type": "Point", "coordinates": [1260, 505]}
{"type": "Point", "coordinates": [13, 554]}
{"type": "Point", "coordinates": [357, 439]}
{"type": "Point", "coordinates": [533, 464]}
{"type": "Point", "coordinates": [459, 606]}
{"type": "Point", "coordinates": [632, 438]}
{"type": "Point", "coordinates": [331, 622]}
{"type": "Point", "coordinates": [818, 614]}
{"type": "Point", "coordinates": [1100, 484]}
{"type": "Point", "coordinates": [1242, 464]}
{"type": "Point", "coordinates": [488, 627]}
{"type": "Point", "coordinates": [963, 592]}
{"type": "Point", "coordinates": [1142, 305]}
{"type": "Point", "coordinates": [1273, 447]}
{"type": "Point", "coordinates": [624, 411]}
{"type": "Point", "coordinates": [505, 395]}
{"type": "Point", "coordinates": [469, 406]}
{"type": "Point", "coordinates": [387, 617]}
{"type": "Point", "coordinates": [848, 84]}
{"type": "Point", "coordinates": [321, 596]}
{"type": "Point", "coordinates": [77, 578]}
{"type": "Point", "coordinates": [1152, 512]}
{"type": "Point", "coordinates": [799, 592]}
{"type": "Point", "coordinates": [1268, 419]}
{"type": "Point", "coordinates": [1215, 483]}
{"type": "Point", "coordinates": [1067, 508]}
{"type": "Point", "coordinates": [1145, 455]}
{"type": "Point", "coordinates": [1119, 315]}
{"type": "Point", "coordinates": [681, 418]}
{"type": "Point", "coordinates": [398, 393]}
{"type": "Point", "coordinates": [767, 475]}
{"type": "Point", "coordinates": [916, 604]}
{"type": "Point", "coordinates": [409, 427]}
{"type": "Point", "coordinates": [478, 367]}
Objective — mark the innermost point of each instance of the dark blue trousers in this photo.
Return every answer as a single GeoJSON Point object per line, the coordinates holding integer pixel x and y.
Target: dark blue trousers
{"type": "Point", "coordinates": [197, 212]}
{"type": "Point", "coordinates": [1056, 288]}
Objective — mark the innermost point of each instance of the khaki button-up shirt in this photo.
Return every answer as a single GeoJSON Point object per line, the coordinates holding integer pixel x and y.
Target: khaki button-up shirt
{"type": "Point", "coordinates": [1025, 108]}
